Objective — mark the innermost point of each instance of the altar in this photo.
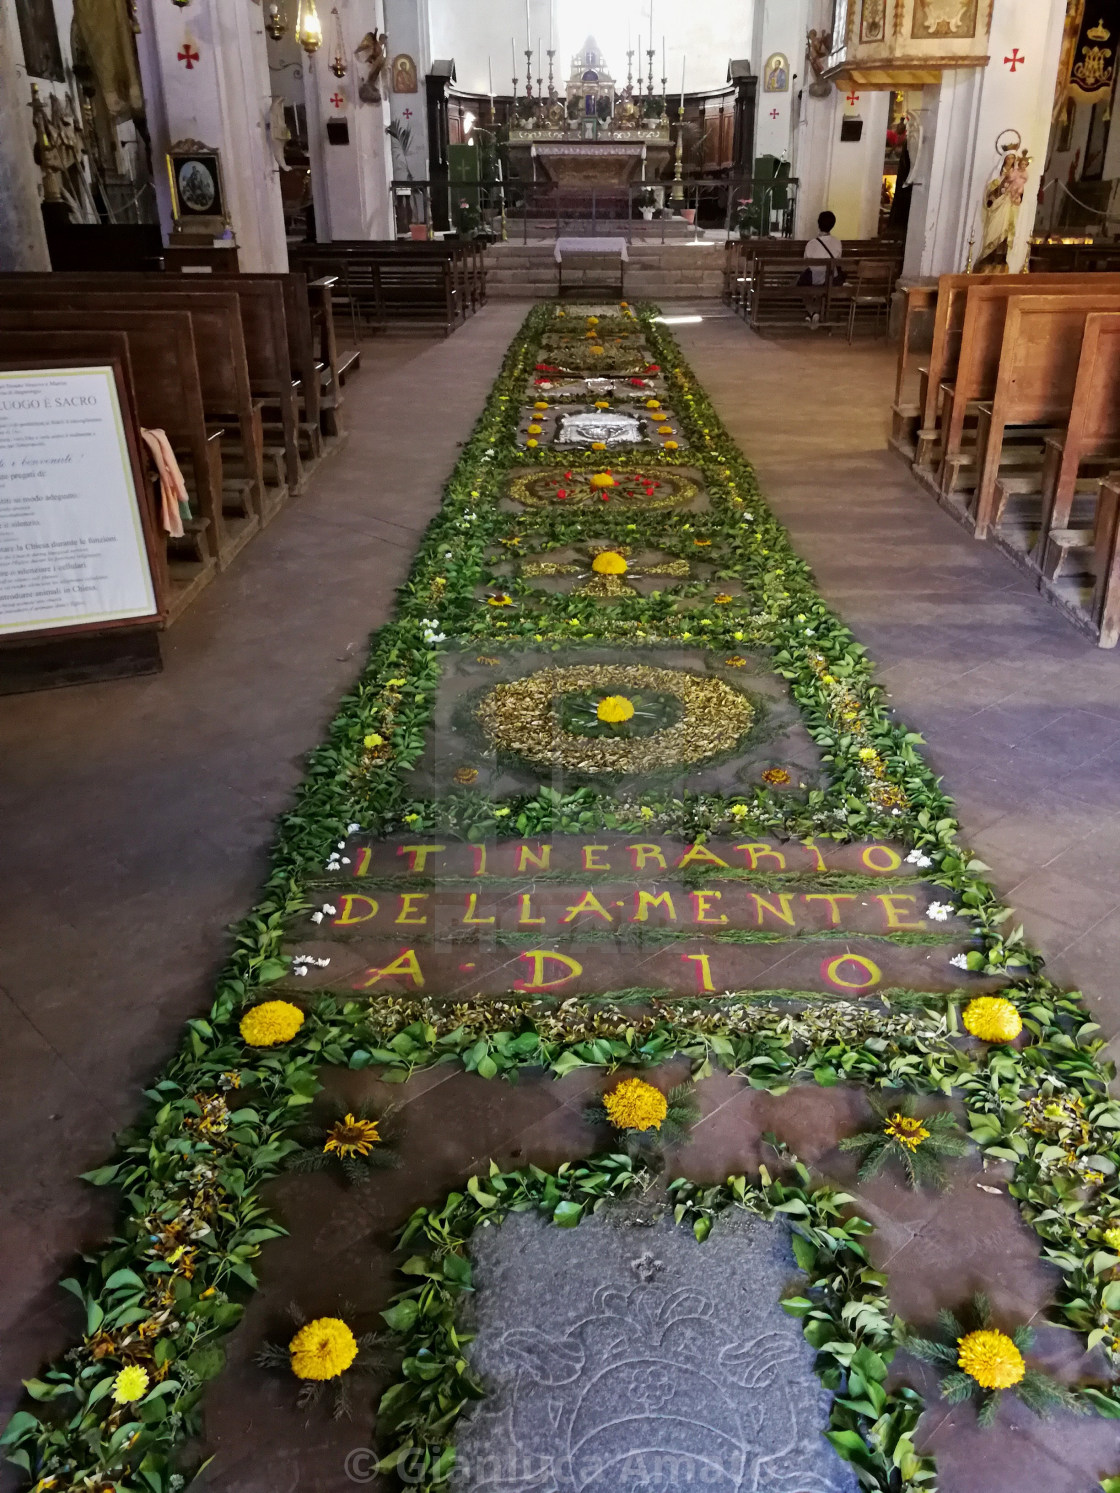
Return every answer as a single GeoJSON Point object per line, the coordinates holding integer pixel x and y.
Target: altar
{"type": "Point", "coordinates": [597, 135]}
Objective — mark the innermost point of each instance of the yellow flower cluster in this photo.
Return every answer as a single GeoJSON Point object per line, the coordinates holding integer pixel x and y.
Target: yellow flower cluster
{"type": "Point", "coordinates": [1112, 1239]}
{"type": "Point", "coordinates": [636, 1105]}
{"type": "Point", "coordinates": [845, 704]}
{"type": "Point", "coordinates": [991, 1358]}
{"type": "Point", "coordinates": [906, 1131]}
{"type": "Point", "coordinates": [614, 709]}
{"type": "Point", "coordinates": [352, 1137]}
{"type": "Point", "coordinates": [610, 562]}
{"type": "Point", "coordinates": [323, 1349]}
{"type": "Point", "coordinates": [270, 1024]}
{"type": "Point", "coordinates": [992, 1019]}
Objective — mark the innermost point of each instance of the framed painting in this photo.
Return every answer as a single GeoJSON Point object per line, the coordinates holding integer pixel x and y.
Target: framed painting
{"type": "Point", "coordinates": [954, 20]}
{"type": "Point", "coordinates": [873, 21]}
{"type": "Point", "coordinates": [197, 190]}
{"type": "Point", "coordinates": [38, 32]}
{"type": "Point", "coordinates": [775, 75]}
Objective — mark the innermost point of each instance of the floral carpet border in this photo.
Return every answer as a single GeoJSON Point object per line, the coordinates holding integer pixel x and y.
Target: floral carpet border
{"type": "Point", "coordinates": [163, 1292]}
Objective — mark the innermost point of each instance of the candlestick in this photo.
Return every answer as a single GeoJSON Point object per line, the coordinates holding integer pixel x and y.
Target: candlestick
{"type": "Point", "coordinates": [551, 80]}
{"type": "Point", "coordinates": [528, 72]}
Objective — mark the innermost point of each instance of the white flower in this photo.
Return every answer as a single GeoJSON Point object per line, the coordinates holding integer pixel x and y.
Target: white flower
{"type": "Point", "coordinates": [300, 969]}
{"type": "Point", "coordinates": [329, 910]}
{"type": "Point", "coordinates": [959, 961]}
{"type": "Point", "coordinates": [346, 858]}
{"type": "Point", "coordinates": [316, 917]}
{"type": "Point", "coordinates": [918, 858]}
{"type": "Point", "coordinates": [940, 912]}
{"type": "Point", "coordinates": [353, 829]}
{"type": "Point", "coordinates": [342, 844]}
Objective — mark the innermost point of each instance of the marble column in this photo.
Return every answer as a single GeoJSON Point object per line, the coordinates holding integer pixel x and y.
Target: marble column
{"type": "Point", "coordinates": [843, 176]}
{"type": "Point", "coordinates": [351, 179]}
{"type": "Point", "coordinates": [205, 76]}
{"type": "Point", "coordinates": [23, 241]}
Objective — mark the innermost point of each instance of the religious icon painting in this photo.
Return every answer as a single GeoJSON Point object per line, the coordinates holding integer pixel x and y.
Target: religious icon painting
{"type": "Point", "coordinates": [873, 21]}
{"type": "Point", "coordinates": [953, 19]}
{"type": "Point", "coordinates": [404, 74]}
{"type": "Point", "coordinates": [775, 75]}
{"type": "Point", "coordinates": [38, 34]}
{"type": "Point", "coordinates": [196, 182]}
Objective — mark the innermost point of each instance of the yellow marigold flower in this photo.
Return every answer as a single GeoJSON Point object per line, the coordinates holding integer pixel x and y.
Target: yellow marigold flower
{"type": "Point", "coordinates": [991, 1358]}
{"type": "Point", "coordinates": [653, 404]}
{"type": "Point", "coordinates": [373, 740]}
{"type": "Point", "coordinates": [270, 1024]}
{"type": "Point", "coordinates": [352, 1137]}
{"type": "Point", "coordinates": [541, 404]}
{"type": "Point", "coordinates": [131, 1384]}
{"type": "Point", "coordinates": [466, 775]}
{"type": "Point", "coordinates": [614, 709]}
{"type": "Point", "coordinates": [992, 1019]}
{"type": "Point", "coordinates": [602, 404]}
{"type": "Point", "coordinates": [636, 1105]}
{"type": "Point", "coordinates": [323, 1349]}
{"type": "Point", "coordinates": [669, 445]}
{"type": "Point", "coordinates": [602, 479]}
{"type": "Point", "coordinates": [592, 321]}
{"type": "Point", "coordinates": [664, 430]}
{"type": "Point", "coordinates": [532, 441]}
{"type": "Point", "coordinates": [535, 429]}
{"type": "Point", "coordinates": [1112, 1239]}
{"type": "Point", "coordinates": [777, 777]}
{"type": "Point", "coordinates": [868, 754]}
{"type": "Point", "coordinates": [722, 599]}
{"type": "Point", "coordinates": [907, 1131]}
{"type": "Point", "coordinates": [610, 562]}
{"type": "Point", "coordinates": [598, 348]}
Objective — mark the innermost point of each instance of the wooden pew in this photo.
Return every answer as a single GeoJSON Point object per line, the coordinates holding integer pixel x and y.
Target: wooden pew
{"type": "Point", "coordinates": [968, 330]}
{"type": "Point", "coordinates": [222, 367]}
{"type": "Point", "coordinates": [906, 413]}
{"type": "Point", "coordinates": [771, 276]}
{"type": "Point", "coordinates": [168, 391]}
{"type": "Point", "coordinates": [1106, 589]}
{"type": "Point", "coordinates": [1092, 440]}
{"type": "Point", "coordinates": [382, 281]}
{"type": "Point", "coordinates": [1036, 377]}
{"type": "Point", "coordinates": [264, 339]}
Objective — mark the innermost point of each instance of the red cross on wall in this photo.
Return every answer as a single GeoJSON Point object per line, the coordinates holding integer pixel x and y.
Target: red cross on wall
{"type": "Point", "coordinates": [853, 99]}
{"type": "Point", "coordinates": [408, 114]}
{"type": "Point", "coordinates": [189, 56]}
{"type": "Point", "coordinates": [1014, 62]}
{"type": "Point", "coordinates": [773, 113]}
{"type": "Point", "coordinates": [337, 100]}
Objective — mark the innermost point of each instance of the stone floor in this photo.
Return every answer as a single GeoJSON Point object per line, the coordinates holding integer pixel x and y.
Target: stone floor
{"type": "Point", "coordinates": [138, 814]}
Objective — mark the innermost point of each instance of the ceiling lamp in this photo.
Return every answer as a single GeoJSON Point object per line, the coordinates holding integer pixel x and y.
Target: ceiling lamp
{"type": "Point", "coordinates": [309, 31]}
{"type": "Point", "coordinates": [338, 60]}
{"type": "Point", "coordinates": [182, 4]}
{"type": "Point", "coordinates": [275, 25]}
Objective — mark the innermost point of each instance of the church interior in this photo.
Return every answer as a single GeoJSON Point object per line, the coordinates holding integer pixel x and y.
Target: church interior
{"type": "Point", "coordinates": [560, 746]}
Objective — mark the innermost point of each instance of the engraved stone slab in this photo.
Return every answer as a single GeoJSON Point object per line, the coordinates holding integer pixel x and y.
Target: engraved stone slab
{"type": "Point", "coordinates": [620, 1358]}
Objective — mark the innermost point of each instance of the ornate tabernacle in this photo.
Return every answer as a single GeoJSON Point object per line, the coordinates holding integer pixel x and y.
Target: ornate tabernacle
{"type": "Point", "coordinates": [597, 132]}
{"type": "Point", "coordinates": [905, 43]}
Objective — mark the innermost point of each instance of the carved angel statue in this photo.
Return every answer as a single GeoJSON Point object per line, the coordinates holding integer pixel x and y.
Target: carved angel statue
{"type": "Point", "coordinates": [819, 50]}
{"type": "Point", "coordinates": [373, 51]}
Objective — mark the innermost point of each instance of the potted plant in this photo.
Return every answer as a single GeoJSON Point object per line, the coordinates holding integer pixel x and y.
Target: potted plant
{"type": "Point", "coordinates": [646, 204]}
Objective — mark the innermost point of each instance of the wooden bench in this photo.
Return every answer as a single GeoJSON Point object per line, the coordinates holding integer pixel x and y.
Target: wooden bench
{"type": "Point", "coordinates": [1089, 448]}
{"type": "Point", "coordinates": [379, 282]}
{"type": "Point", "coordinates": [168, 390]}
{"type": "Point", "coordinates": [1105, 605]}
{"type": "Point", "coordinates": [774, 297]}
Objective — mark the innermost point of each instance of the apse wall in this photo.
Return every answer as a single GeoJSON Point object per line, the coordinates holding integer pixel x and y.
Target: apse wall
{"type": "Point", "coordinates": [473, 31]}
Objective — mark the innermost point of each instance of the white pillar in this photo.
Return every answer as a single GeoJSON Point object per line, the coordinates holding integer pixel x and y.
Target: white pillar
{"type": "Point", "coordinates": [964, 115]}
{"type": "Point", "coordinates": [409, 30]}
{"type": "Point", "coordinates": [205, 76]}
{"type": "Point", "coordinates": [350, 181]}
{"type": "Point", "coordinates": [779, 27]}
{"type": "Point", "coordinates": [842, 176]}
{"type": "Point", "coordinates": [23, 240]}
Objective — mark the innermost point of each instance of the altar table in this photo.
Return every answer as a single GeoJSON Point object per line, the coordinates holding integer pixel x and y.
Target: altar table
{"type": "Point", "coordinates": [574, 246]}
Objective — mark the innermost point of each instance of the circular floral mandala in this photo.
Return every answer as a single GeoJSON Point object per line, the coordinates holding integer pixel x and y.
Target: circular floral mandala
{"type": "Point", "coordinates": [523, 718]}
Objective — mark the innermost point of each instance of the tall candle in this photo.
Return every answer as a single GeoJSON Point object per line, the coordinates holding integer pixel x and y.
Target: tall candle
{"type": "Point", "coordinates": [513, 54]}
{"type": "Point", "coordinates": [490, 70]}
{"type": "Point", "coordinates": [528, 36]}
{"type": "Point", "coordinates": [684, 60]}
{"type": "Point", "coordinates": [664, 63]}
{"type": "Point", "coordinates": [551, 26]}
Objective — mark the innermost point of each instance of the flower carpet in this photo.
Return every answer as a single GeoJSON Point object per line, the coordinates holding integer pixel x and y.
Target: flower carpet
{"type": "Point", "coordinates": [616, 803]}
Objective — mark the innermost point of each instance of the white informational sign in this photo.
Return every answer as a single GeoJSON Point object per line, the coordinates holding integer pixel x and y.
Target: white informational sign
{"type": "Point", "coordinates": [71, 540]}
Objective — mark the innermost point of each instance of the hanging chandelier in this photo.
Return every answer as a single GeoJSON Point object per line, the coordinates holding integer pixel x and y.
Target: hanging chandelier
{"type": "Point", "coordinates": [275, 25]}
{"type": "Point", "coordinates": [338, 63]}
{"type": "Point", "coordinates": [309, 31]}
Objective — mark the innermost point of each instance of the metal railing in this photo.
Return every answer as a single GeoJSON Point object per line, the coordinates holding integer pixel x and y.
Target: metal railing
{"type": "Point", "coordinates": [654, 212]}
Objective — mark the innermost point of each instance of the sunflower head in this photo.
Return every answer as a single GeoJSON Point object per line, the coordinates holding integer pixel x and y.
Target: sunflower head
{"type": "Point", "coordinates": [636, 1105]}
{"type": "Point", "coordinates": [270, 1024]}
{"type": "Point", "coordinates": [131, 1384]}
{"type": "Point", "coordinates": [500, 600]}
{"type": "Point", "coordinates": [991, 1358]}
{"type": "Point", "coordinates": [323, 1349]}
{"type": "Point", "coordinates": [992, 1018]}
{"type": "Point", "coordinates": [610, 562]}
{"type": "Point", "coordinates": [614, 709]}
{"type": "Point", "coordinates": [906, 1131]}
{"type": "Point", "coordinates": [352, 1137]}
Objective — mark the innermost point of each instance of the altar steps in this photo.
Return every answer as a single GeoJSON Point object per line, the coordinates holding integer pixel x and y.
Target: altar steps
{"type": "Point", "coordinates": [662, 272]}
